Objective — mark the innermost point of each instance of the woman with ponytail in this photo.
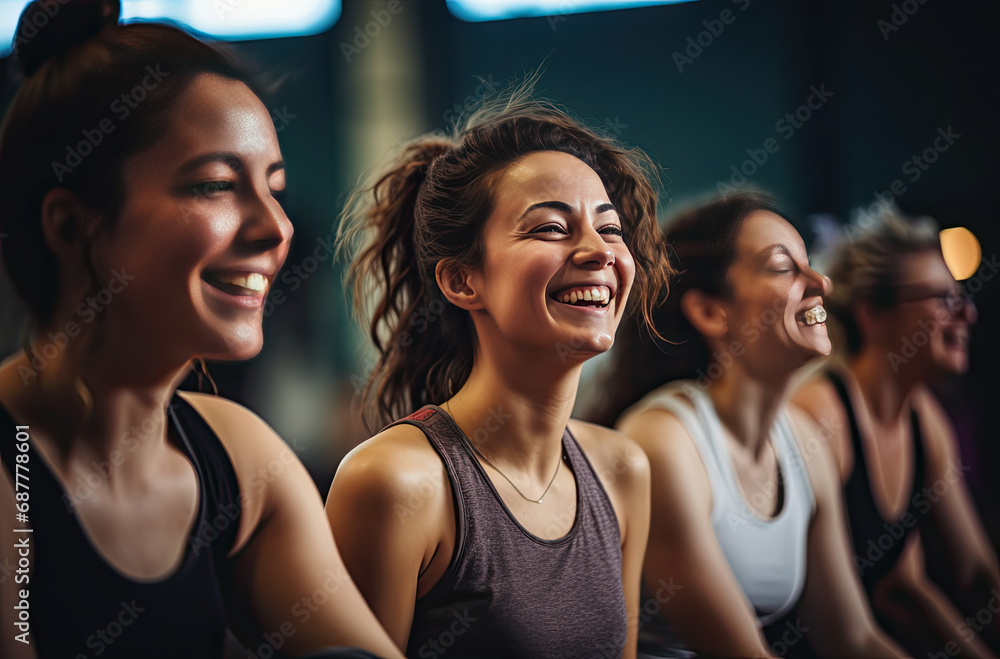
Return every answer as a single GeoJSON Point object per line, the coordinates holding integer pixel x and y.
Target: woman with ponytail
{"type": "Point", "coordinates": [487, 523]}
{"type": "Point", "coordinates": [746, 512]}
{"type": "Point", "coordinates": [139, 172]}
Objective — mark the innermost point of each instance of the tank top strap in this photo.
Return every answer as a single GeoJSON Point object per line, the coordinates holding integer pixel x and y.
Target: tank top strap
{"type": "Point", "coordinates": [794, 471]}
{"type": "Point", "coordinates": [219, 484]}
{"type": "Point", "coordinates": [700, 421]}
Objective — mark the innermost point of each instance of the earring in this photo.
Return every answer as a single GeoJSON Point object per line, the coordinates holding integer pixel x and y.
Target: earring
{"type": "Point", "coordinates": [202, 369]}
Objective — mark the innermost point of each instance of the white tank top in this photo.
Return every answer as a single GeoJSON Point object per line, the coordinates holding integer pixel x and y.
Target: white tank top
{"type": "Point", "coordinates": [768, 557]}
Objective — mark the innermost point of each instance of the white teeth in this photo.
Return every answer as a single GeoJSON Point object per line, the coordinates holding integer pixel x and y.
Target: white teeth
{"type": "Point", "coordinates": [816, 315]}
{"type": "Point", "coordinates": [254, 281]}
{"type": "Point", "coordinates": [596, 294]}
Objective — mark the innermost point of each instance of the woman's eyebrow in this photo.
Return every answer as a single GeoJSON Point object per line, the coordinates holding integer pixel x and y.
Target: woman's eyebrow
{"type": "Point", "coordinates": [555, 205]}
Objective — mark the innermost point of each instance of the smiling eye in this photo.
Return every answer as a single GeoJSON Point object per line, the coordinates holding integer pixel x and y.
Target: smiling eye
{"type": "Point", "coordinates": [211, 188]}
{"type": "Point", "coordinates": [612, 230]}
{"type": "Point", "coordinates": [550, 228]}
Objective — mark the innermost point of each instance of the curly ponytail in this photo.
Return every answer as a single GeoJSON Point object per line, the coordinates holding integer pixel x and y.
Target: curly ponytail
{"type": "Point", "coordinates": [431, 204]}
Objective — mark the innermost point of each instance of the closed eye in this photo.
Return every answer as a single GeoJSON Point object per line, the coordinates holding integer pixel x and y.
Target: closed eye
{"type": "Point", "coordinates": [612, 230]}
{"type": "Point", "coordinates": [212, 188]}
{"type": "Point", "coordinates": [550, 228]}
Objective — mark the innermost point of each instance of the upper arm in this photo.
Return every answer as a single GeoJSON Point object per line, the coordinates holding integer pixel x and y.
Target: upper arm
{"type": "Point", "coordinates": [385, 504]}
{"type": "Point", "coordinates": [833, 602]}
{"type": "Point", "coordinates": [624, 471]}
{"type": "Point", "coordinates": [820, 400]}
{"type": "Point", "coordinates": [953, 512]}
{"type": "Point", "coordinates": [288, 577]}
{"type": "Point", "coordinates": [702, 599]}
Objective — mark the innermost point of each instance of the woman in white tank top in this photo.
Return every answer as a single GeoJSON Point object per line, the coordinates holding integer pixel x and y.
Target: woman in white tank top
{"type": "Point", "coordinates": [747, 552]}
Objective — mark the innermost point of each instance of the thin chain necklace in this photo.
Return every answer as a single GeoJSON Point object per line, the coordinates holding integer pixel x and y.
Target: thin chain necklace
{"type": "Point", "coordinates": [497, 469]}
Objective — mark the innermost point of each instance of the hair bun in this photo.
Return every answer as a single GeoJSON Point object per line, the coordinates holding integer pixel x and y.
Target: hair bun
{"type": "Point", "coordinates": [48, 27]}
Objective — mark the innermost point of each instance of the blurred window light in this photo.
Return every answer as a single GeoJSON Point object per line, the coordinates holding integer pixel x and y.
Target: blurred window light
{"type": "Point", "coordinates": [229, 20]}
{"type": "Point", "coordinates": [495, 10]}
{"type": "Point", "coordinates": [961, 251]}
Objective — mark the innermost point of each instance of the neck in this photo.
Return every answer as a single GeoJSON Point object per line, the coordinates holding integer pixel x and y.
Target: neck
{"type": "Point", "coordinates": [516, 413]}
{"type": "Point", "coordinates": [885, 392]}
{"type": "Point", "coordinates": [748, 406]}
{"type": "Point", "coordinates": [93, 405]}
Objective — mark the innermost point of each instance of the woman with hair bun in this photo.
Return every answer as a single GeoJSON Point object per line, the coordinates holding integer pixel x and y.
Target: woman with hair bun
{"type": "Point", "coordinates": [487, 523]}
{"type": "Point", "coordinates": [747, 554]}
{"type": "Point", "coordinates": [139, 172]}
{"type": "Point", "coordinates": [896, 451]}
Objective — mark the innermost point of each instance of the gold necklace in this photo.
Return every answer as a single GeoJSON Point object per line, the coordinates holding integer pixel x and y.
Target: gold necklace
{"type": "Point", "coordinates": [497, 469]}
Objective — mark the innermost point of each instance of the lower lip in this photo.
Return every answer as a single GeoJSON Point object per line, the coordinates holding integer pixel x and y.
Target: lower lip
{"type": "Point", "coordinates": [585, 309]}
{"type": "Point", "coordinates": [255, 301]}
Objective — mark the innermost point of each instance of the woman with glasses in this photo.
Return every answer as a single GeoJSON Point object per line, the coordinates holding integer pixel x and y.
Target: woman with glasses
{"type": "Point", "coordinates": [905, 323]}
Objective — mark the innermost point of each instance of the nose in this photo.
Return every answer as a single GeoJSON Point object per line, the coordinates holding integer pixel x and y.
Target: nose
{"type": "Point", "coordinates": [818, 284]}
{"type": "Point", "coordinates": [592, 252]}
{"type": "Point", "coordinates": [266, 225]}
{"type": "Point", "coordinates": [969, 311]}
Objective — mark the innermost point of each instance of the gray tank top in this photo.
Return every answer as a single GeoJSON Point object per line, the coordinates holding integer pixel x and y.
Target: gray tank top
{"type": "Point", "coordinates": [767, 557]}
{"type": "Point", "coordinates": [508, 593]}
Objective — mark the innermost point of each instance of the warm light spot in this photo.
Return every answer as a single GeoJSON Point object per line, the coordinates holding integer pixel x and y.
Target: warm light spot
{"type": "Point", "coordinates": [961, 252]}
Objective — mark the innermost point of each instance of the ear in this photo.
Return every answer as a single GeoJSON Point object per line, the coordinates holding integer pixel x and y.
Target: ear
{"type": "Point", "coordinates": [457, 282]}
{"type": "Point", "coordinates": [65, 221]}
{"type": "Point", "coordinates": [868, 317]}
{"type": "Point", "coordinates": [705, 312]}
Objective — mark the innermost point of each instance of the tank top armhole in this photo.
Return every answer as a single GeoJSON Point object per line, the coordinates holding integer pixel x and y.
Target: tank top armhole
{"type": "Point", "coordinates": [216, 471]}
{"type": "Point", "coordinates": [596, 479]}
{"type": "Point", "coordinates": [797, 461]}
{"type": "Point", "coordinates": [666, 399]}
{"type": "Point", "coordinates": [461, 523]}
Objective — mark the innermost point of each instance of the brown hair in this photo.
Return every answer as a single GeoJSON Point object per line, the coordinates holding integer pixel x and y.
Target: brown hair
{"type": "Point", "coordinates": [70, 125]}
{"type": "Point", "coordinates": [431, 205]}
{"type": "Point", "coordinates": [703, 247]}
{"type": "Point", "coordinates": [868, 264]}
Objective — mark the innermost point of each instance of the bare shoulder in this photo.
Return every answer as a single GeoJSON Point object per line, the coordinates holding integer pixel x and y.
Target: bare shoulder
{"type": "Point", "coordinates": [937, 430]}
{"type": "Point", "coordinates": [679, 479]}
{"type": "Point", "coordinates": [816, 452]}
{"type": "Point", "coordinates": [393, 463]}
{"type": "Point", "coordinates": [609, 450]}
{"type": "Point", "coordinates": [241, 431]}
{"type": "Point", "coordinates": [819, 400]}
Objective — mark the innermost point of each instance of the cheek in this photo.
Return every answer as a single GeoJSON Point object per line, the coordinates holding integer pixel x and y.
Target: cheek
{"type": "Point", "coordinates": [625, 267]}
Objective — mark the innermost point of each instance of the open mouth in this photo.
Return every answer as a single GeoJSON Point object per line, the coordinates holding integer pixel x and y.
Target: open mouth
{"type": "Point", "coordinates": [248, 285]}
{"type": "Point", "coordinates": [814, 316]}
{"type": "Point", "coordinates": [584, 296]}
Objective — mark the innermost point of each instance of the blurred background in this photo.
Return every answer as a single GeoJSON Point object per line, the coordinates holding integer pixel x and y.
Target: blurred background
{"type": "Point", "coordinates": [825, 103]}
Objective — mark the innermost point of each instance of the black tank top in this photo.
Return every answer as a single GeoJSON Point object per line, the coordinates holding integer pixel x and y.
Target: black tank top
{"type": "Point", "coordinates": [878, 543]}
{"type": "Point", "coordinates": [508, 593]}
{"type": "Point", "coordinates": [80, 605]}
